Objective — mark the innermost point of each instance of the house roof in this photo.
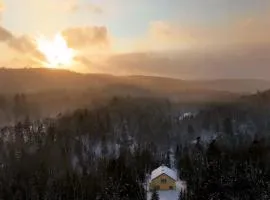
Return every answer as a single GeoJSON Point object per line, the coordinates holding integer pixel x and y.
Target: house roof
{"type": "Point", "coordinates": [163, 170]}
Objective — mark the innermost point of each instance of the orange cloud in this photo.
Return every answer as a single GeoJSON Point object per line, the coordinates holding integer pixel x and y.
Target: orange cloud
{"type": "Point", "coordinates": [77, 38]}
{"type": "Point", "coordinates": [86, 37]}
{"type": "Point", "coordinates": [22, 44]}
{"type": "Point", "coordinates": [83, 39]}
{"type": "Point", "coordinates": [5, 34]}
{"type": "Point", "coordinates": [23, 61]}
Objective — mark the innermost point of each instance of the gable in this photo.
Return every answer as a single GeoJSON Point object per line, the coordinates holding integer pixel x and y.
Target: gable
{"type": "Point", "coordinates": [163, 175]}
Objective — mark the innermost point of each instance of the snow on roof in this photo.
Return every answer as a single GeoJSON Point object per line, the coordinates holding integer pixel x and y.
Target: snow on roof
{"type": "Point", "coordinates": [163, 170]}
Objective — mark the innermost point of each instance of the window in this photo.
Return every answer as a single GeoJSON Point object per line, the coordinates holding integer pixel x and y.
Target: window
{"type": "Point", "coordinates": [163, 181]}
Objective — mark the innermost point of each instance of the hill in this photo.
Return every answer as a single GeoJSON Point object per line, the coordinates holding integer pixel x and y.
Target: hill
{"type": "Point", "coordinates": [48, 92]}
{"type": "Point", "coordinates": [41, 79]}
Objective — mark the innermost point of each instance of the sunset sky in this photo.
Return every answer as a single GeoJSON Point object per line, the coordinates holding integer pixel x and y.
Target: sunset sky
{"type": "Point", "coordinates": [177, 38]}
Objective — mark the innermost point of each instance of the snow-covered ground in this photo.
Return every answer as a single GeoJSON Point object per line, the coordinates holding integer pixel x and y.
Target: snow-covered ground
{"type": "Point", "coordinates": [171, 194]}
{"type": "Point", "coordinates": [165, 195]}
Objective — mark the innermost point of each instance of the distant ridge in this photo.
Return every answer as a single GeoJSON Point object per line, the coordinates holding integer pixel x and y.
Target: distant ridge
{"type": "Point", "coordinates": [39, 79]}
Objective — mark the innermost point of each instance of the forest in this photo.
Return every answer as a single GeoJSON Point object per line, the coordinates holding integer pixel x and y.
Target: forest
{"type": "Point", "coordinates": [106, 151]}
{"type": "Point", "coordinates": [134, 100]}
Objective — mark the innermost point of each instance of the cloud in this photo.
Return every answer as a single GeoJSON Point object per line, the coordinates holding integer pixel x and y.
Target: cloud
{"type": "Point", "coordinates": [89, 7]}
{"type": "Point", "coordinates": [83, 60]}
{"type": "Point", "coordinates": [163, 35]}
{"type": "Point", "coordinates": [23, 61]}
{"type": "Point", "coordinates": [181, 65]}
{"type": "Point", "coordinates": [86, 37]}
{"type": "Point", "coordinates": [5, 34]}
{"type": "Point", "coordinates": [73, 6]}
{"type": "Point", "coordinates": [88, 64]}
{"type": "Point", "coordinates": [25, 45]}
{"type": "Point", "coordinates": [239, 48]}
{"type": "Point", "coordinates": [235, 62]}
{"type": "Point", "coordinates": [77, 38]}
{"type": "Point", "coordinates": [167, 35]}
{"type": "Point", "coordinates": [82, 39]}
{"type": "Point", "coordinates": [22, 44]}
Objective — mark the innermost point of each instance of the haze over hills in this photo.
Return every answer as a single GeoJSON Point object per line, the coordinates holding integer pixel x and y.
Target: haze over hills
{"type": "Point", "coordinates": [41, 79]}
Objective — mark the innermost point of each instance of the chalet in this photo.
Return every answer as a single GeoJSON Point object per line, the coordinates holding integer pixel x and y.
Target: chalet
{"type": "Point", "coordinates": [163, 178]}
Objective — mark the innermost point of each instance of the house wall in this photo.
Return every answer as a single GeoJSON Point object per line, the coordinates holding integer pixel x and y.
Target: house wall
{"type": "Point", "coordinates": [163, 186]}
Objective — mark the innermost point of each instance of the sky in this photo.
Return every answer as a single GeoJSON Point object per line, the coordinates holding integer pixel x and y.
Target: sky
{"type": "Point", "coordinates": [194, 39]}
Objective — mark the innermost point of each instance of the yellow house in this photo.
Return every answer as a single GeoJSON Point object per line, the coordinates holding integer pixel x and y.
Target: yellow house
{"type": "Point", "coordinates": [163, 178]}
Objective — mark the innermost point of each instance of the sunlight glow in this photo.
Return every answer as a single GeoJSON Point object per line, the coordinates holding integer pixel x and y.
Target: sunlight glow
{"type": "Point", "coordinates": [56, 52]}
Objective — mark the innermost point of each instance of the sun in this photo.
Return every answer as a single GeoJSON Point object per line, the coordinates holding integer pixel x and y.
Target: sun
{"type": "Point", "coordinates": [56, 52]}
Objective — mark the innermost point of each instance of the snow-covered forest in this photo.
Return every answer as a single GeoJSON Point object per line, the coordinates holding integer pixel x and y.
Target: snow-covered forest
{"type": "Point", "coordinates": [106, 152]}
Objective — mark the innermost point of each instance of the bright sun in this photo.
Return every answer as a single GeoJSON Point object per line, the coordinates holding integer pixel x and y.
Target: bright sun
{"type": "Point", "coordinates": [56, 52]}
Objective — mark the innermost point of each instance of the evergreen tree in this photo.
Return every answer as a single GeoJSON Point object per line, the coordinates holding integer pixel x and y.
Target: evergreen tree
{"type": "Point", "coordinates": [155, 195]}
{"type": "Point", "coordinates": [180, 195]}
{"type": "Point", "coordinates": [190, 130]}
{"type": "Point", "coordinates": [228, 126]}
{"type": "Point", "coordinates": [168, 159]}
